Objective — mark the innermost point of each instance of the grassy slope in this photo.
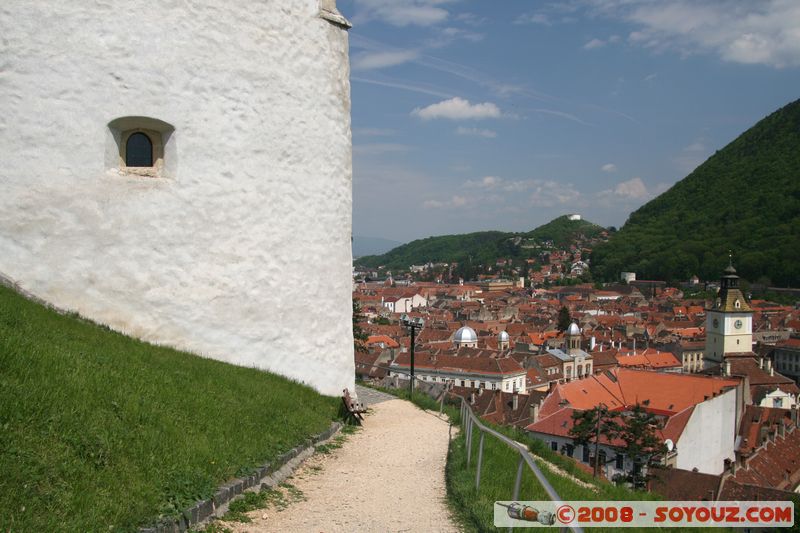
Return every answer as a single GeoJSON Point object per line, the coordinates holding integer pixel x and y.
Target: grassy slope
{"type": "Point", "coordinates": [482, 247]}
{"type": "Point", "coordinates": [497, 479]}
{"type": "Point", "coordinates": [744, 198]}
{"type": "Point", "coordinates": [99, 431]}
{"type": "Point", "coordinates": [475, 508]}
{"type": "Point", "coordinates": [563, 231]}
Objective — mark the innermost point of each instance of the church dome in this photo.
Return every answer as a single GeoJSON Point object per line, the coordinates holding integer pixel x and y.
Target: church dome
{"type": "Point", "coordinates": [465, 334]}
{"type": "Point", "coordinates": [503, 337]}
{"type": "Point", "coordinates": [573, 329]}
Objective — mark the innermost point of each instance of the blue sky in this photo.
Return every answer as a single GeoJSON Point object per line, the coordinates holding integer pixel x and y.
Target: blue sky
{"type": "Point", "coordinates": [472, 115]}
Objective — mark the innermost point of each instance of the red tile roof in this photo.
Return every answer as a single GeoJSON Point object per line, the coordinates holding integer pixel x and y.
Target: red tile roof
{"type": "Point", "coordinates": [623, 387]}
{"type": "Point", "coordinates": [385, 339]}
{"type": "Point", "coordinates": [505, 366]}
{"type": "Point", "coordinates": [776, 464]}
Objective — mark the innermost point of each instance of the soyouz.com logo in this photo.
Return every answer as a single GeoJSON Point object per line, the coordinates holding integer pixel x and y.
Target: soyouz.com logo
{"type": "Point", "coordinates": [741, 514]}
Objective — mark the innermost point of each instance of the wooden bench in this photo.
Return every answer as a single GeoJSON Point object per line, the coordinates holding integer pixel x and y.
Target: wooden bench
{"type": "Point", "coordinates": [353, 409]}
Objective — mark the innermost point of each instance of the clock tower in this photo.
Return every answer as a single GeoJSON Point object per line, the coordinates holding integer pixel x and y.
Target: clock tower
{"type": "Point", "coordinates": [729, 321]}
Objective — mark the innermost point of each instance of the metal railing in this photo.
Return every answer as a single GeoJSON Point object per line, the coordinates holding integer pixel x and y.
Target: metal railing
{"type": "Point", "coordinates": [470, 422]}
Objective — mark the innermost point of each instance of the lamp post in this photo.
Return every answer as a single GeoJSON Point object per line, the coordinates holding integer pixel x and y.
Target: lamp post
{"type": "Point", "coordinates": [412, 324]}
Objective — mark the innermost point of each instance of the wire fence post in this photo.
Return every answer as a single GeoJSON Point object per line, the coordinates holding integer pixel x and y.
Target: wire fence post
{"type": "Point", "coordinates": [518, 480]}
{"type": "Point", "coordinates": [480, 461]}
{"type": "Point", "coordinates": [469, 439]}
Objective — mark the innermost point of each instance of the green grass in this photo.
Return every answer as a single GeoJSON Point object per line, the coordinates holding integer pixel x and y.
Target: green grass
{"type": "Point", "coordinates": [99, 431]}
{"type": "Point", "coordinates": [474, 508]}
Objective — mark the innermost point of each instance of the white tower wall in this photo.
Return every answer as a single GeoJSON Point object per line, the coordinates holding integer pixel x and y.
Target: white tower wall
{"type": "Point", "coordinates": [240, 249]}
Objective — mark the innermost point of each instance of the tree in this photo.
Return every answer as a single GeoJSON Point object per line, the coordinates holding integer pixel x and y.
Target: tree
{"type": "Point", "coordinates": [642, 445]}
{"type": "Point", "coordinates": [564, 320]}
{"type": "Point", "coordinates": [589, 426]}
{"type": "Point", "coordinates": [634, 428]}
{"type": "Point", "coordinates": [359, 335]}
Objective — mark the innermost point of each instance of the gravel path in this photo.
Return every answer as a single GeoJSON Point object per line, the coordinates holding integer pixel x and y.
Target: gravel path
{"type": "Point", "coordinates": [370, 397]}
{"type": "Point", "coordinates": [388, 476]}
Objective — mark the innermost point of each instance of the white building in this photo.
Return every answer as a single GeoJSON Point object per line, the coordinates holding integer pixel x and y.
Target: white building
{"type": "Point", "coordinates": [405, 303]}
{"type": "Point", "coordinates": [182, 172]}
{"type": "Point", "coordinates": [729, 321]}
{"type": "Point", "coordinates": [697, 417]}
{"type": "Point", "coordinates": [462, 370]}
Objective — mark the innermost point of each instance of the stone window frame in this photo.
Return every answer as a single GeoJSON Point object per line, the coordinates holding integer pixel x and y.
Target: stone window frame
{"type": "Point", "coordinates": [157, 157]}
{"type": "Point", "coordinates": [161, 135]}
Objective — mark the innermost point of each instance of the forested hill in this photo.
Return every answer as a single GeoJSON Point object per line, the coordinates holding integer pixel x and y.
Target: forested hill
{"type": "Point", "coordinates": [484, 247]}
{"type": "Point", "coordinates": [744, 198]}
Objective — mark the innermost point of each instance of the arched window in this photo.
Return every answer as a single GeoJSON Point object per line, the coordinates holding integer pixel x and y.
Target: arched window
{"type": "Point", "coordinates": [139, 151]}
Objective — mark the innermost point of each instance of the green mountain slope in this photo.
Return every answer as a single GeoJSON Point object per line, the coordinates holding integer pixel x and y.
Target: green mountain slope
{"type": "Point", "coordinates": [482, 247]}
{"type": "Point", "coordinates": [744, 198]}
{"type": "Point", "coordinates": [563, 231]}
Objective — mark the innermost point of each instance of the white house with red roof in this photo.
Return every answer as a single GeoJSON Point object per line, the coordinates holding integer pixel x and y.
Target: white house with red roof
{"type": "Point", "coordinates": [697, 417]}
{"type": "Point", "coordinates": [468, 367]}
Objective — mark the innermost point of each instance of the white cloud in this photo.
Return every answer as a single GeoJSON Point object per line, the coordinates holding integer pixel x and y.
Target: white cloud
{"type": "Point", "coordinates": [632, 189]}
{"type": "Point", "coordinates": [487, 182]}
{"type": "Point", "coordinates": [764, 32]}
{"type": "Point", "coordinates": [561, 114]}
{"type": "Point", "coordinates": [594, 43]}
{"type": "Point", "coordinates": [476, 132]}
{"type": "Point", "coordinates": [541, 193]}
{"type": "Point", "coordinates": [416, 88]}
{"type": "Point", "coordinates": [383, 59]}
{"type": "Point", "coordinates": [661, 187]}
{"type": "Point", "coordinates": [449, 35]}
{"type": "Point", "coordinates": [549, 193]}
{"type": "Point", "coordinates": [650, 77]}
{"type": "Point", "coordinates": [401, 13]}
{"type": "Point", "coordinates": [533, 18]}
{"type": "Point", "coordinates": [609, 167]}
{"type": "Point", "coordinates": [452, 202]}
{"type": "Point", "coordinates": [457, 109]}
{"type": "Point", "coordinates": [373, 132]}
{"type": "Point", "coordinates": [692, 155]}
{"type": "Point", "coordinates": [379, 148]}
{"type": "Point", "coordinates": [696, 146]}
{"type": "Point", "coordinates": [471, 19]}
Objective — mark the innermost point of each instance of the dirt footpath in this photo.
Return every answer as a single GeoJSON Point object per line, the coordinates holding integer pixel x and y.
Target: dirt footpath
{"type": "Point", "coordinates": [388, 476]}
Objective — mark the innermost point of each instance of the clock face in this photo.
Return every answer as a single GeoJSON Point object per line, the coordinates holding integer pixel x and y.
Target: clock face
{"type": "Point", "coordinates": [738, 324]}
{"type": "Point", "coordinates": [716, 323]}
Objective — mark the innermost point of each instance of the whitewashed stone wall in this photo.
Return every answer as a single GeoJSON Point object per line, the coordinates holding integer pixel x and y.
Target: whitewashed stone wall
{"type": "Point", "coordinates": [241, 251]}
{"type": "Point", "coordinates": [709, 436]}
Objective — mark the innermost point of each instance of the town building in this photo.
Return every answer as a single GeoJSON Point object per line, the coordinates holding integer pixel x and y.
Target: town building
{"type": "Point", "coordinates": [729, 322]}
{"type": "Point", "coordinates": [182, 173]}
{"type": "Point", "coordinates": [697, 414]}
{"type": "Point", "coordinates": [787, 357]}
{"type": "Point", "coordinates": [465, 368]}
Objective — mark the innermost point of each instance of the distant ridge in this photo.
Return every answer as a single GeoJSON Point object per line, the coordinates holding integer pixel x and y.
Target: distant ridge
{"type": "Point", "coordinates": [372, 245]}
{"type": "Point", "coordinates": [744, 198]}
{"type": "Point", "coordinates": [482, 247]}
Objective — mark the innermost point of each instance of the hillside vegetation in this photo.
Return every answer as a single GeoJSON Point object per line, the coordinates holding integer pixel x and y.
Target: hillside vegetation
{"type": "Point", "coordinates": [101, 432]}
{"type": "Point", "coordinates": [744, 198]}
{"type": "Point", "coordinates": [483, 247]}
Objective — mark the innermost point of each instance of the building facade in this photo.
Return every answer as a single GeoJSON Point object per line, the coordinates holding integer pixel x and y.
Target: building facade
{"type": "Point", "coordinates": [182, 172]}
{"type": "Point", "coordinates": [787, 358]}
{"type": "Point", "coordinates": [729, 321]}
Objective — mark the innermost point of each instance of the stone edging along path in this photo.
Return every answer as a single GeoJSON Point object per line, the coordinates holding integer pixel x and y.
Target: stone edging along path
{"type": "Point", "coordinates": [265, 477]}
